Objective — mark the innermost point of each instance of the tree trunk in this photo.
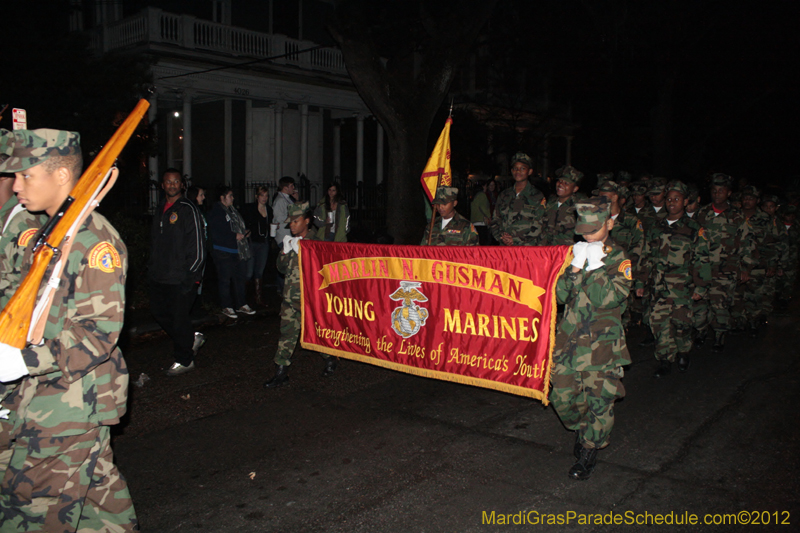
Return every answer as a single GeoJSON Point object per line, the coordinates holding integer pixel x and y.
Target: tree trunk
{"type": "Point", "coordinates": [405, 213]}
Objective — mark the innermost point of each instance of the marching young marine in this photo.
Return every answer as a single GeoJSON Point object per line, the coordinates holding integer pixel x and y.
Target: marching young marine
{"type": "Point", "coordinates": [590, 347]}
{"type": "Point", "coordinates": [61, 474]}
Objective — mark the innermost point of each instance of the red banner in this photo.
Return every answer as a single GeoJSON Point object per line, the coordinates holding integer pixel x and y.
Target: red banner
{"type": "Point", "coordinates": [483, 316]}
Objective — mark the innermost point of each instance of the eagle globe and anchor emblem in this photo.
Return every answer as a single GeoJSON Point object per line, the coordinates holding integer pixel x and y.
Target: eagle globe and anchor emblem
{"type": "Point", "coordinates": [409, 318]}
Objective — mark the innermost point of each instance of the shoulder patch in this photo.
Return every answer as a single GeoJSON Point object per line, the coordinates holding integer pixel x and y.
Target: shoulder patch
{"type": "Point", "coordinates": [173, 217]}
{"type": "Point", "coordinates": [104, 257]}
{"type": "Point", "coordinates": [625, 268]}
{"type": "Point", "coordinates": [25, 237]}
{"type": "Point", "coordinates": [639, 225]}
{"type": "Point", "coordinates": [544, 202]}
{"type": "Point", "coordinates": [702, 233]}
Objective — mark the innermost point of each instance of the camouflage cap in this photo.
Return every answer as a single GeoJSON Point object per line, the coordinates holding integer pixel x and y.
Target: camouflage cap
{"type": "Point", "coordinates": [623, 177]}
{"type": "Point", "coordinates": [751, 190]}
{"type": "Point", "coordinates": [639, 188]}
{"type": "Point", "coordinates": [623, 191]}
{"type": "Point", "coordinates": [788, 209]}
{"type": "Point", "coordinates": [34, 147]}
{"type": "Point", "coordinates": [721, 180]}
{"type": "Point", "coordinates": [445, 195]}
{"type": "Point", "coordinates": [592, 214]}
{"type": "Point", "coordinates": [677, 185]}
{"type": "Point", "coordinates": [693, 193]}
{"type": "Point", "coordinates": [571, 175]}
{"type": "Point", "coordinates": [606, 186]}
{"type": "Point", "coordinates": [296, 210]}
{"type": "Point", "coordinates": [6, 144]}
{"type": "Point", "coordinates": [770, 198]}
{"type": "Point", "coordinates": [656, 185]}
{"type": "Point", "coordinates": [604, 177]}
{"type": "Point", "coordinates": [519, 157]}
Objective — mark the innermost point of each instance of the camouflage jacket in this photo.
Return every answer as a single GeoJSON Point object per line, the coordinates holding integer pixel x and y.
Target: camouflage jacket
{"type": "Point", "coordinates": [628, 232]}
{"type": "Point", "coordinates": [78, 378]}
{"type": "Point", "coordinates": [559, 222]}
{"type": "Point", "coordinates": [289, 266]}
{"type": "Point", "coordinates": [591, 336]}
{"type": "Point", "coordinates": [19, 232]}
{"type": "Point", "coordinates": [791, 248]}
{"type": "Point", "coordinates": [766, 239]}
{"type": "Point", "coordinates": [519, 215]}
{"type": "Point", "coordinates": [677, 260]}
{"type": "Point", "coordinates": [730, 246]}
{"type": "Point", "coordinates": [458, 232]}
{"type": "Point", "coordinates": [650, 217]}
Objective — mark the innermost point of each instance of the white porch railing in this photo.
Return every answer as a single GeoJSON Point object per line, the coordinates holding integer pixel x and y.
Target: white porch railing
{"type": "Point", "coordinates": [154, 26]}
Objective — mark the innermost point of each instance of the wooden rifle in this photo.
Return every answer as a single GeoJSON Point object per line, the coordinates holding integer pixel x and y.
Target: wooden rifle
{"type": "Point", "coordinates": [94, 183]}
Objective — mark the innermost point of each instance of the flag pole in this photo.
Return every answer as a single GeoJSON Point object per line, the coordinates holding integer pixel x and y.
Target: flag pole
{"type": "Point", "coordinates": [433, 208]}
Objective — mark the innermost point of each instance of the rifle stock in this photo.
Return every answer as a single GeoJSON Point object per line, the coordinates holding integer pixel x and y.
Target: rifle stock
{"type": "Point", "coordinates": [15, 318]}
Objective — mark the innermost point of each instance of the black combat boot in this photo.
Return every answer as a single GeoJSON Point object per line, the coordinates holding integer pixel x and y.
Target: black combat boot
{"type": "Point", "coordinates": [664, 368]}
{"type": "Point", "coordinates": [700, 338]}
{"type": "Point", "coordinates": [330, 366]}
{"type": "Point", "coordinates": [584, 467]}
{"type": "Point", "coordinates": [683, 362]}
{"type": "Point", "coordinates": [576, 450]}
{"type": "Point", "coordinates": [649, 339]}
{"type": "Point", "coordinates": [719, 341]}
{"type": "Point", "coordinates": [281, 377]}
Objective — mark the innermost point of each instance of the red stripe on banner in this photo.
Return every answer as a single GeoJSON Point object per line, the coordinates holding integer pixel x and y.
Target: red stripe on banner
{"type": "Point", "coordinates": [483, 316]}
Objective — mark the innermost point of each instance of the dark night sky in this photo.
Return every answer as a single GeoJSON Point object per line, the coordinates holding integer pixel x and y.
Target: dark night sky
{"type": "Point", "coordinates": [733, 66]}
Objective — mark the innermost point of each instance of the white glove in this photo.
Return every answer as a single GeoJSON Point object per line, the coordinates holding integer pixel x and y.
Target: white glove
{"type": "Point", "coordinates": [290, 243]}
{"type": "Point", "coordinates": [579, 250]}
{"type": "Point", "coordinates": [12, 365]}
{"type": "Point", "coordinates": [595, 255]}
{"type": "Point", "coordinates": [4, 413]}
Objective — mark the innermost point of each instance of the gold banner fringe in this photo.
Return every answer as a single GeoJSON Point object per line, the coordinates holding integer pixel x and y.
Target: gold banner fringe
{"type": "Point", "coordinates": [447, 376]}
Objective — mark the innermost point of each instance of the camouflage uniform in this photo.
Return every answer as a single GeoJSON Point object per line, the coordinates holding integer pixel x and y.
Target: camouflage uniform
{"type": "Point", "coordinates": [519, 215]}
{"type": "Point", "coordinates": [731, 251]}
{"type": "Point", "coordinates": [559, 220]}
{"type": "Point", "coordinates": [61, 475]}
{"type": "Point", "coordinates": [628, 232]}
{"type": "Point", "coordinates": [750, 308]}
{"type": "Point", "coordinates": [291, 315]}
{"type": "Point", "coordinates": [458, 232]}
{"type": "Point", "coordinates": [590, 346]}
{"type": "Point", "coordinates": [10, 264]}
{"type": "Point", "coordinates": [788, 262]}
{"type": "Point", "coordinates": [678, 264]}
{"type": "Point", "coordinates": [649, 215]}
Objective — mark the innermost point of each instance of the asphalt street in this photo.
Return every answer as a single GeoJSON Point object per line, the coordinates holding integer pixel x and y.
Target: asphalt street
{"type": "Point", "coordinates": [372, 450]}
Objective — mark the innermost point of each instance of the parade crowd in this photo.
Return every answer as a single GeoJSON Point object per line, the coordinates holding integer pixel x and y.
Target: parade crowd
{"type": "Point", "coordinates": [644, 253]}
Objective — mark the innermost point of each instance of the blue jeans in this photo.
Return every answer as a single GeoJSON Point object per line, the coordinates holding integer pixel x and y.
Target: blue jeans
{"type": "Point", "coordinates": [230, 270]}
{"type": "Point", "coordinates": [258, 260]}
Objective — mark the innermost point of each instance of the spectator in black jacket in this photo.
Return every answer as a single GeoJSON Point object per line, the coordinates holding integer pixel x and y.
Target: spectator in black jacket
{"type": "Point", "coordinates": [177, 256]}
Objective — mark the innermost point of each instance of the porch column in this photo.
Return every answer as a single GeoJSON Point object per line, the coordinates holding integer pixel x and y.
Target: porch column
{"type": "Point", "coordinates": [379, 150]}
{"type": "Point", "coordinates": [360, 148]}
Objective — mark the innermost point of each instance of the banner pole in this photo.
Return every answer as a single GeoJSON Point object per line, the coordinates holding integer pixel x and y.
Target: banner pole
{"type": "Point", "coordinates": [433, 208]}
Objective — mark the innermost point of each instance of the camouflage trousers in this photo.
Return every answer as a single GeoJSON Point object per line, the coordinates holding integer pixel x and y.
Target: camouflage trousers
{"type": "Point", "coordinates": [785, 284]}
{"type": "Point", "coordinates": [671, 323]}
{"type": "Point", "coordinates": [585, 400]}
{"type": "Point", "coordinates": [290, 334]}
{"type": "Point", "coordinates": [715, 309]}
{"type": "Point", "coordinates": [749, 302]}
{"type": "Point", "coordinates": [65, 484]}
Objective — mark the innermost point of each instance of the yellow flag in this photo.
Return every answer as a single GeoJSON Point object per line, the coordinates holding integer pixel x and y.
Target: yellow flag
{"type": "Point", "coordinates": [438, 162]}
